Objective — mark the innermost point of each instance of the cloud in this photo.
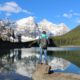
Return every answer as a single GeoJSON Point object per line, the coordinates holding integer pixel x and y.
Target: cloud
{"type": "Point", "coordinates": [71, 10]}
{"type": "Point", "coordinates": [71, 14]}
{"type": "Point", "coordinates": [76, 14]}
{"type": "Point", "coordinates": [57, 16]}
{"type": "Point", "coordinates": [78, 21]}
{"type": "Point", "coordinates": [8, 14]}
{"type": "Point", "coordinates": [67, 15]}
{"type": "Point", "coordinates": [26, 11]}
{"type": "Point", "coordinates": [12, 7]}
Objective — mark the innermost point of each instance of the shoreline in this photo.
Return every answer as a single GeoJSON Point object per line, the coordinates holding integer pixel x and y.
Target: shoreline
{"type": "Point", "coordinates": [41, 73]}
{"type": "Point", "coordinates": [71, 46]}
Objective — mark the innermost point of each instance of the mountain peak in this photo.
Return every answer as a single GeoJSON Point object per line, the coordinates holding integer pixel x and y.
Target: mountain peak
{"type": "Point", "coordinates": [54, 29]}
{"type": "Point", "coordinates": [45, 22]}
{"type": "Point", "coordinates": [24, 21]}
{"type": "Point", "coordinates": [27, 26]}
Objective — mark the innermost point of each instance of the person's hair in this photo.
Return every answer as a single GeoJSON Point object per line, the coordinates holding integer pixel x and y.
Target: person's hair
{"type": "Point", "coordinates": [44, 32]}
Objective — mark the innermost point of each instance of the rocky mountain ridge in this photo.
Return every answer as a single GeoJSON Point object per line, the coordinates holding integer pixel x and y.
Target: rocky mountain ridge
{"type": "Point", "coordinates": [32, 26]}
{"type": "Point", "coordinates": [29, 29]}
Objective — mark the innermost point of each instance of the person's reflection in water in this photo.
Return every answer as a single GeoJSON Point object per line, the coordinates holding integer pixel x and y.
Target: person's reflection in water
{"type": "Point", "coordinates": [19, 54]}
{"type": "Point", "coordinates": [13, 56]}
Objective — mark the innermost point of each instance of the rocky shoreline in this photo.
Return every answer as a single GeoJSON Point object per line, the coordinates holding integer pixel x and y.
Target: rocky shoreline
{"type": "Point", "coordinates": [41, 73]}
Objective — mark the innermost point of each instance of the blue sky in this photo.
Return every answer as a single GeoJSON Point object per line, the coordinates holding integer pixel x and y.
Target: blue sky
{"type": "Point", "coordinates": [56, 11]}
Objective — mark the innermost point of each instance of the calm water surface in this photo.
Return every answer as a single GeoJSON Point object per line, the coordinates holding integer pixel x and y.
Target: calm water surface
{"type": "Point", "coordinates": [69, 55]}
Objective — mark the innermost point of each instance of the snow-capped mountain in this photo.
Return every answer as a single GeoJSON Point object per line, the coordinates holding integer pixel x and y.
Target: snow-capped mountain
{"type": "Point", "coordinates": [28, 24]}
{"type": "Point", "coordinates": [28, 27]}
{"type": "Point", "coordinates": [54, 29]}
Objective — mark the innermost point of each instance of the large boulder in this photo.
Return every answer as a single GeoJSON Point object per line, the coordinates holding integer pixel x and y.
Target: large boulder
{"type": "Point", "coordinates": [42, 73]}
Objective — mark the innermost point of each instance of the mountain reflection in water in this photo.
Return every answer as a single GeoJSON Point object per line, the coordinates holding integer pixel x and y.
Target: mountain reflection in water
{"type": "Point", "coordinates": [23, 61]}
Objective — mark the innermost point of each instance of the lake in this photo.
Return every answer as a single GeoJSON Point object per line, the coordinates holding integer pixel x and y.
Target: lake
{"type": "Point", "coordinates": [24, 60]}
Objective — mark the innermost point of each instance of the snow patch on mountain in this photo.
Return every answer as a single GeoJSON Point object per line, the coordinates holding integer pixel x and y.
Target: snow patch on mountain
{"type": "Point", "coordinates": [54, 29]}
{"type": "Point", "coordinates": [28, 27]}
{"type": "Point", "coordinates": [25, 23]}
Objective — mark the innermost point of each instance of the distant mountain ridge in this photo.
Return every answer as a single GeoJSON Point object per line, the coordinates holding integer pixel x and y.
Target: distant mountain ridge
{"type": "Point", "coordinates": [55, 29]}
{"type": "Point", "coordinates": [70, 38]}
{"type": "Point", "coordinates": [29, 23]}
{"type": "Point", "coordinates": [29, 29]}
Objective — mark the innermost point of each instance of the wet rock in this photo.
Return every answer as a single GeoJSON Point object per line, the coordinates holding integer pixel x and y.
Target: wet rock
{"type": "Point", "coordinates": [41, 73]}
